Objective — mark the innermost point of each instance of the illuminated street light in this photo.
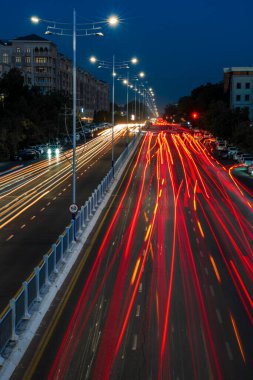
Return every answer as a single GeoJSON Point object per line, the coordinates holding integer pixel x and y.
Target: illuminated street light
{"type": "Point", "coordinates": [90, 29]}
{"type": "Point", "coordinates": [113, 20]}
{"type": "Point", "coordinates": [113, 65]}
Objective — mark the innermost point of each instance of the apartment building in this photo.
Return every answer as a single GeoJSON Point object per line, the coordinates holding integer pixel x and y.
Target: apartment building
{"type": "Point", "coordinates": [238, 83]}
{"type": "Point", "coordinates": [44, 67]}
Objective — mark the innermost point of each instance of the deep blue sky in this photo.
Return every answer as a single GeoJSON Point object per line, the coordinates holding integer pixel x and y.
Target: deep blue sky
{"type": "Point", "coordinates": [180, 45]}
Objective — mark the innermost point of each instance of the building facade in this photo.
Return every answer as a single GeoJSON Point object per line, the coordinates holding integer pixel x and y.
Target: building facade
{"type": "Point", "coordinates": [44, 67]}
{"type": "Point", "coordinates": [238, 83]}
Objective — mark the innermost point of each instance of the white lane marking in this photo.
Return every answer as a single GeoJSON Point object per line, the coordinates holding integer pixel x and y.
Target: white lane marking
{"type": "Point", "coordinates": [201, 254]}
{"type": "Point", "coordinates": [229, 351]}
{"type": "Point", "coordinates": [191, 220]}
{"type": "Point", "coordinates": [64, 189]}
{"type": "Point", "coordinates": [138, 309]}
{"type": "Point", "coordinates": [218, 315]}
{"type": "Point", "coordinates": [211, 290]}
{"type": "Point", "coordinates": [10, 237]}
{"type": "Point", "coordinates": [135, 340]}
{"type": "Point", "coordinates": [23, 226]}
{"type": "Point", "coordinates": [43, 208]}
{"type": "Point", "coordinates": [194, 229]}
{"type": "Point", "coordinates": [206, 270]}
{"type": "Point", "coordinates": [59, 194]}
{"type": "Point", "coordinates": [33, 217]}
{"type": "Point", "coordinates": [140, 288]}
{"type": "Point", "coordinates": [54, 198]}
{"type": "Point", "coordinates": [197, 240]}
{"type": "Point", "coordinates": [49, 203]}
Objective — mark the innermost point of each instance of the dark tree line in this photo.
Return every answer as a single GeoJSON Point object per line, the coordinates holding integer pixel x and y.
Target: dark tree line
{"type": "Point", "coordinates": [26, 116]}
{"type": "Point", "coordinates": [214, 114]}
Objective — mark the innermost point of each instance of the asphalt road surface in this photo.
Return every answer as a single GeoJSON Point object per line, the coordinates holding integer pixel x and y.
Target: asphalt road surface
{"type": "Point", "coordinates": [163, 288]}
{"type": "Point", "coordinates": [34, 205]}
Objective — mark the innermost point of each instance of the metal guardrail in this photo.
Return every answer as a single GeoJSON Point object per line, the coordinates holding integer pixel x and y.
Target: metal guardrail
{"type": "Point", "coordinates": [23, 305]}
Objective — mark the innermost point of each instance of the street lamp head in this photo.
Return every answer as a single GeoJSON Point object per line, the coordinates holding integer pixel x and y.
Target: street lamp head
{"type": "Point", "coordinates": [35, 19]}
{"type": "Point", "coordinates": [113, 20]}
{"type": "Point", "coordinates": [134, 61]}
{"type": "Point", "coordinates": [114, 74]}
{"type": "Point", "coordinates": [142, 74]}
{"type": "Point", "coordinates": [48, 32]}
{"type": "Point", "coordinates": [125, 81]}
{"type": "Point", "coordinates": [93, 59]}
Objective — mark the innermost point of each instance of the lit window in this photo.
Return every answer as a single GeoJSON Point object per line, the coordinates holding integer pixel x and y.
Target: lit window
{"type": "Point", "coordinates": [5, 58]}
{"type": "Point", "coordinates": [18, 50]}
{"type": "Point", "coordinates": [27, 59]}
{"type": "Point", "coordinates": [28, 50]}
{"type": "Point", "coordinates": [18, 59]}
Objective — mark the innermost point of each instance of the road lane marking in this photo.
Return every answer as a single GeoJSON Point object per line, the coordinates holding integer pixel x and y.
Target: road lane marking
{"type": "Point", "coordinates": [201, 254]}
{"type": "Point", "coordinates": [59, 194]}
{"type": "Point", "coordinates": [140, 288]}
{"type": "Point", "coordinates": [206, 270]}
{"type": "Point", "coordinates": [219, 316]}
{"type": "Point", "coordinates": [43, 208]}
{"type": "Point", "coordinates": [49, 203]}
{"type": "Point", "coordinates": [54, 198]}
{"type": "Point", "coordinates": [10, 237]}
{"type": "Point", "coordinates": [138, 310]}
{"type": "Point", "coordinates": [229, 351]}
{"type": "Point", "coordinates": [23, 226]}
{"type": "Point", "coordinates": [197, 240]}
{"type": "Point", "coordinates": [135, 340]}
{"type": "Point", "coordinates": [33, 217]}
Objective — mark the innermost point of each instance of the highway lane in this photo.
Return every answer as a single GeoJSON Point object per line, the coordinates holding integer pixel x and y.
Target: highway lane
{"type": "Point", "coordinates": [34, 206]}
{"type": "Point", "coordinates": [164, 288]}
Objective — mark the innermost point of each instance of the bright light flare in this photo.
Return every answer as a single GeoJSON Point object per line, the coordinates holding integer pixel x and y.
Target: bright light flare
{"type": "Point", "coordinates": [93, 59]}
{"type": "Point", "coordinates": [134, 60]}
{"type": "Point", "coordinates": [113, 20]}
{"type": "Point", "coordinates": [35, 19]}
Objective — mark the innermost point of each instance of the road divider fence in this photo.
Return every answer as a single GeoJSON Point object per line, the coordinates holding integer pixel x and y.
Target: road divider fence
{"type": "Point", "coordinates": [13, 320]}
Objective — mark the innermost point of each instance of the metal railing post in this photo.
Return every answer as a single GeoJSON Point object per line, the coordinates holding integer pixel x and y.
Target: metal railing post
{"type": "Point", "coordinates": [14, 336]}
{"type": "Point", "coordinates": [61, 242]}
{"type": "Point", "coordinates": [73, 230]}
{"type": "Point", "coordinates": [67, 232]}
{"type": "Point", "coordinates": [37, 279]}
{"type": "Point", "coordinates": [54, 257]}
{"type": "Point", "coordinates": [47, 282]}
{"type": "Point", "coordinates": [25, 288]}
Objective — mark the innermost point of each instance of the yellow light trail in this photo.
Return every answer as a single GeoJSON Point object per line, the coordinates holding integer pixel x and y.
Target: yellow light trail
{"type": "Point", "coordinates": [215, 269]}
{"type": "Point", "coordinates": [135, 271]}
{"type": "Point", "coordinates": [237, 337]}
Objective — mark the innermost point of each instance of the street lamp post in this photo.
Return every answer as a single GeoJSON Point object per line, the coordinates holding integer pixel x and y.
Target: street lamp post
{"type": "Point", "coordinates": [114, 66]}
{"type": "Point", "coordinates": [61, 29]}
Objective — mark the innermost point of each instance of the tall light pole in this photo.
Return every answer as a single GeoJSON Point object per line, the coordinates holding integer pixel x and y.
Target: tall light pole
{"type": "Point", "coordinates": [113, 65]}
{"type": "Point", "coordinates": [84, 30]}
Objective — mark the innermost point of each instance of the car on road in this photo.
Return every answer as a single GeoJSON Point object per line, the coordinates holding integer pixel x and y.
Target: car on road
{"type": "Point", "coordinates": [237, 155]}
{"type": "Point", "coordinates": [221, 145]}
{"type": "Point", "coordinates": [232, 150]}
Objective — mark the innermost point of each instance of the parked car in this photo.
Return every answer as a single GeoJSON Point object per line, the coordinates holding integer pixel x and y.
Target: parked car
{"type": "Point", "coordinates": [247, 160]}
{"type": "Point", "coordinates": [242, 156]}
{"type": "Point", "coordinates": [232, 150]}
{"type": "Point", "coordinates": [250, 169]}
{"type": "Point", "coordinates": [221, 146]}
{"type": "Point", "coordinates": [26, 154]}
{"type": "Point", "coordinates": [237, 155]}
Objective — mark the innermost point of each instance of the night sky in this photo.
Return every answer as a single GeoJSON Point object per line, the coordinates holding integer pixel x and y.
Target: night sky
{"type": "Point", "coordinates": [180, 45]}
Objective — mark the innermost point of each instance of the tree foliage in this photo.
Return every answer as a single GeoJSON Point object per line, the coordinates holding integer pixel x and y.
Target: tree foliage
{"type": "Point", "coordinates": [26, 116]}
